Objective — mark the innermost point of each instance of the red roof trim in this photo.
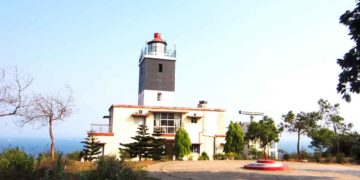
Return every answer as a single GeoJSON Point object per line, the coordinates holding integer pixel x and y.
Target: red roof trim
{"type": "Point", "coordinates": [168, 135]}
{"type": "Point", "coordinates": [102, 134]}
{"type": "Point", "coordinates": [166, 108]}
{"type": "Point", "coordinates": [220, 135]}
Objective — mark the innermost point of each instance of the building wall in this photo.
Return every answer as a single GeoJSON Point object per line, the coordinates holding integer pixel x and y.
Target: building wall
{"type": "Point", "coordinates": [204, 132]}
{"type": "Point", "coordinates": [150, 97]}
{"type": "Point", "coordinates": [151, 79]}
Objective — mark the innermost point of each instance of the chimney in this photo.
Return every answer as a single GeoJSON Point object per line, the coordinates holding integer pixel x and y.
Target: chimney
{"type": "Point", "coordinates": [202, 104]}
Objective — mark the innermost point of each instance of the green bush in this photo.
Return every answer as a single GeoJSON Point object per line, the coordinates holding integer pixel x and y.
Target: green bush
{"type": "Point", "coordinates": [16, 164]}
{"type": "Point", "coordinates": [219, 156]}
{"type": "Point", "coordinates": [204, 156]}
{"type": "Point", "coordinates": [238, 157]}
{"type": "Point", "coordinates": [340, 158]}
{"type": "Point", "coordinates": [230, 156]}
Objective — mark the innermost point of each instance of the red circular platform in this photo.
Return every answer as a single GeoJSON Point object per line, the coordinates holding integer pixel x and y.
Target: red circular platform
{"type": "Point", "coordinates": [267, 165]}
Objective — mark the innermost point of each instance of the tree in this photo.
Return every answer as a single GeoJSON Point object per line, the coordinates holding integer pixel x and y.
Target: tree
{"type": "Point", "coordinates": [182, 144]}
{"type": "Point", "coordinates": [158, 145]}
{"type": "Point", "coordinates": [302, 124]}
{"type": "Point", "coordinates": [234, 139]}
{"type": "Point", "coordinates": [92, 149]}
{"type": "Point", "coordinates": [264, 131]}
{"type": "Point", "coordinates": [330, 114]}
{"type": "Point", "coordinates": [142, 146]}
{"type": "Point", "coordinates": [48, 109]}
{"type": "Point", "coordinates": [349, 78]}
{"type": "Point", "coordinates": [12, 91]}
{"type": "Point", "coordinates": [322, 139]}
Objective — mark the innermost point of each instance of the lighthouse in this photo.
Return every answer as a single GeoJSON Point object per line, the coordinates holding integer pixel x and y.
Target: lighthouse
{"type": "Point", "coordinates": [156, 74]}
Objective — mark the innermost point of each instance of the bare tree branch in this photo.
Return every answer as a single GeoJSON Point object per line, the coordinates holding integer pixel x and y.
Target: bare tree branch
{"type": "Point", "coordinates": [48, 109]}
{"type": "Point", "coordinates": [13, 83]}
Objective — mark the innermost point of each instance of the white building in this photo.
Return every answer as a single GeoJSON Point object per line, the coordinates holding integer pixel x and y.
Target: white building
{"type": "Point", "coordinates": [156, 98]}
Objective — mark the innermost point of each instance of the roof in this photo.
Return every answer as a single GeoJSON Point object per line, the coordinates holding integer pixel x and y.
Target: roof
{"type": "Point", "coordinates": [166, 108]}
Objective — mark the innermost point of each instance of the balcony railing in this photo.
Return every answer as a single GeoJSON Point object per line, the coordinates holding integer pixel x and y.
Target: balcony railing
{"type": "Point", "coordinates": [168, 53]}
{"type": "Point", "coordinates": [100, 128]}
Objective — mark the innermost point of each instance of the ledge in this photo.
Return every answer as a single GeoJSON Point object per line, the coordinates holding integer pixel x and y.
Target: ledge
{"type": "Point", "coordinates": [102, 134]}
{"type": "Point", "coordinates": [139, 115]}
{"type": "Point", "coordinates": [168, 135]}
{"type": "Point", "coordinates": [220, 135]}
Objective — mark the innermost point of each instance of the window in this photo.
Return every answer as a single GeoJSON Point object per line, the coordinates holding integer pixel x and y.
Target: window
{"type": "Point", "coordinates": [195, 148]}
{"type": "Point", "coordinates": [169, 123]}
{"type": "Point", "coordinates": [193, 120]}
{"type": "Point", "coordinates": [159, 96]}
{"type": "Point", "coordinates": [160, 68]}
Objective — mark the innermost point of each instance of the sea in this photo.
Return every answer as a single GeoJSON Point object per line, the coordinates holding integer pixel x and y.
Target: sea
{"type": "Point", "coordinates": [36, 145]}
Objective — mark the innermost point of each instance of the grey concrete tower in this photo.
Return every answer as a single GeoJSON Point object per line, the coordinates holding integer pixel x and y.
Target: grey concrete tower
{"type": "Point", "coordinates": [157, 74]}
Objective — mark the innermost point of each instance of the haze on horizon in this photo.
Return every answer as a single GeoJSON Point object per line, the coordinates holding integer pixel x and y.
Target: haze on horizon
{"type": "Point", "coordinates": [240, 55]}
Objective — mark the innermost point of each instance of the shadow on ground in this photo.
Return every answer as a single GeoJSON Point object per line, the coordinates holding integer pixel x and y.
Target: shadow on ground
{"type": "Point", "coordinates": [202, 175]}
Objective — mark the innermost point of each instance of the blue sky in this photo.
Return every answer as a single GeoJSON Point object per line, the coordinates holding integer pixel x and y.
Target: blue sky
{"type": "Point", "coordinates": [271, 57]}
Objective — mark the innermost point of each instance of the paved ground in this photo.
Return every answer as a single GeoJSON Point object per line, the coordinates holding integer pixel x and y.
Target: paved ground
{"type": "Point", "coordinates": [175, 170]}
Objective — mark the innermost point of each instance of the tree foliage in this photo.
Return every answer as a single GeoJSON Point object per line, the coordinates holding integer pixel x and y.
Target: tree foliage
{"type": "Point", "coordinates": [349, 78]}
{"type": "Point", "coordinates": [92, 148]}
{"type": "Point", "coordinates": [330, 114]}
{"type": "Point", "coordinates": [301, 124]}
{"type": "Point", "coordinates": [182, 144]}
{"type": "Point", "coordinates": [16, 164]}
{"type": "Point", "coordinates": [264, 131]}
{"type": "Point", "coordinates": [158, 145]}
{"type": "Point", "coordinates": [234, 139]}
{"type": "Point", "coordinates": [322, 139]}
{"type": "Point", "coordinates": [142, 146]}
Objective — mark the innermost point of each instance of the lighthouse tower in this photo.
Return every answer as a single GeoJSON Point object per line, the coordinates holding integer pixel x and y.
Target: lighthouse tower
{"type": "Point", "coordinates": [157, 74]}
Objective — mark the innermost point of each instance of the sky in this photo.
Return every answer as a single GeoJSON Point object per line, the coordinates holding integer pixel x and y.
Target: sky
{"type": "Point", "coordinates": [268, 56]}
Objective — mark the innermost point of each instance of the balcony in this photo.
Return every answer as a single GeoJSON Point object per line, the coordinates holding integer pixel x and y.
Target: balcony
{"type": "Point", "coordinates": [150, 52]}
{"type": "Point", "coordinates": [101, 130]}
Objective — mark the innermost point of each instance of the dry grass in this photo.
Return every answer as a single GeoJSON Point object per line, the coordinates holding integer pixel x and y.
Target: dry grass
{"type": "Point", "coordinates": [75, 167]}
{"type": "Point", "coordinates": [138, 165]}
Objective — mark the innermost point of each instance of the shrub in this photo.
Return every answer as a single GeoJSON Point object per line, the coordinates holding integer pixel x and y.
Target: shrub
{"type": "Point", "coordinates": [340, 158]}
{"type": "Point", "coordinates": [304, 154]}
{"type": "Point", "coordinates": [124, 155]}
{"type": "Point", "coordinates": [16, 164]}
{"type": "Point", "coordinates": [108, 167]}
{"type": "Point", "coordinates": [47, 168]}
{"type": "Point", "coordinates": [286, 156]}
{"type": "Point", "coordinates": [355, 152]}
{"type": "Point", "coordinates": [203, 156]}
{"type": "Point", "coordinates": [219, 156]}
{"type": "Point", "coordinates": [317, 156]}
{"type": "Point", "coordinates": [259, 155]}
{"type": "Point", "coordinates": [182, 144]}
{"type": "Point", "coordinates": [238, 157]}
{"type": "Point", "coordinates": [230, 156]}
